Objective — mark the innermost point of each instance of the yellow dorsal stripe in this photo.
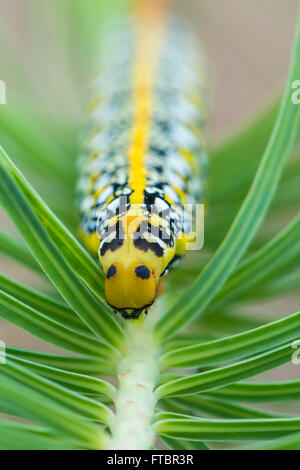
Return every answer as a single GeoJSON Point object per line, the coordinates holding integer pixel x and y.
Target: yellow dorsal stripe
{"type": "Point", "coordinates": [148, 30]}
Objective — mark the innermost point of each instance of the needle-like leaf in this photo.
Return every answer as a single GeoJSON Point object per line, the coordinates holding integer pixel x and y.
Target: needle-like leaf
{"type": "Point", "coordinates": [249, 218]}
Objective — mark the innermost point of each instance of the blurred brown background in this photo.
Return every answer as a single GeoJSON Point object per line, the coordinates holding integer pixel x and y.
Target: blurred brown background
{"type": "Point", "coordinates": [248, 43]}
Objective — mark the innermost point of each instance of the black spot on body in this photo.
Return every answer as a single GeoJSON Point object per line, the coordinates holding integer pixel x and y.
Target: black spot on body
{"type": "Point", "coordinates": [164, 126]}
{"type": "Point", "coordinates": [157, 168]}
{"type": "Point", "coordinates": [149, 199]}
{"type": "Point", "coordinates": [158, 151]}
{"type": "Point", "coordinates": [111, 271]}
{"type": "Point", "coordinates": [142, 272]}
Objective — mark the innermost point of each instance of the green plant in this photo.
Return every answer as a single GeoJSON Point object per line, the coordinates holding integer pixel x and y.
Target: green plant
{"type": "Point", "coordinates": [181, 371]}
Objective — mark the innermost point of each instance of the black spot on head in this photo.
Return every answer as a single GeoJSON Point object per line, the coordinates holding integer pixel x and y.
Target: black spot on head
{"type": "Point", "coordinates": [142, 272]}
{"type": "Point", "coordinates": [111, 271]}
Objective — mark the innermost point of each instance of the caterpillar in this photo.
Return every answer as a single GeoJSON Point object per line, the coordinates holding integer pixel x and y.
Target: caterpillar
{"type": "Point", "coordinates": [143, 153]}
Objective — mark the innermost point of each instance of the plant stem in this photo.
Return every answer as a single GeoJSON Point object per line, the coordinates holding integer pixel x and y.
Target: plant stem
{"type": "Point", "coordinates": [135, 401]}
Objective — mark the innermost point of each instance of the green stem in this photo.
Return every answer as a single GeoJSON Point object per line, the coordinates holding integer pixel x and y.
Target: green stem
{"type": "Point", "coordinates": [135, 401]}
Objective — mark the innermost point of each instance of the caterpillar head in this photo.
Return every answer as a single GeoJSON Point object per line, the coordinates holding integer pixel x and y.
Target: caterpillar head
{"type": "Point", "coordinates": [133, 261]}
{"type": "Point", "coordinates": [130, 289]}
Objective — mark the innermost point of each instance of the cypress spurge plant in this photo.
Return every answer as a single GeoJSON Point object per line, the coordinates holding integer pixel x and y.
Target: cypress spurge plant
{"type": "Point", "coordinates": [181, 373]}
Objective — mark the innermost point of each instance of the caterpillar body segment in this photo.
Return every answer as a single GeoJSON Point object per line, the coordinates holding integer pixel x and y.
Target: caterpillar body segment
{"type": "Point", "coordinates": [144, 154]}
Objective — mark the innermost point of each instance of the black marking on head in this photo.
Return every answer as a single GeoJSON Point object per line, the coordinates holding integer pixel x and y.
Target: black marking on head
{"type": "Point", "coordinates": [113, 246]}
{"type": "Point", "coordinates": [144, 245]}
{"type": "Point", "coordinates": [111, 271]}
{"type": "Point", "coordinates": [117, 242]}
{"type": "Point", "coordinates": [133, 313]}
{"type": "Point", "coordinates": [142, 272]}
{"type": "Point", "coordinates": [157, 231]}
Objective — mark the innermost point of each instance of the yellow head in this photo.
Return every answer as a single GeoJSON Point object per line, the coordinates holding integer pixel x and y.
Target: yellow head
{"type": "Point", "coordinates": [132, 266]}
{"type": "Point", "coordinates": [130, 287]}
